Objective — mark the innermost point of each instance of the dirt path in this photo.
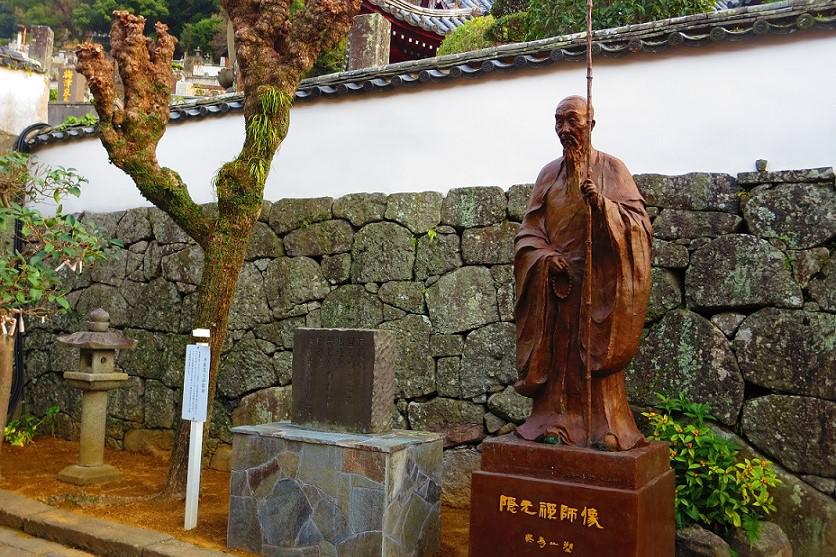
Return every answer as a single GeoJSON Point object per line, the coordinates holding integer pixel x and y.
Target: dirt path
{"type": "Point", "coordinates": [32, 471]}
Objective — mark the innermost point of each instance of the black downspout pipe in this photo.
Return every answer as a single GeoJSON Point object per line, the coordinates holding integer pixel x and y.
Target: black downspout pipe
{"type": "Point", "coordinates": [18, 376]}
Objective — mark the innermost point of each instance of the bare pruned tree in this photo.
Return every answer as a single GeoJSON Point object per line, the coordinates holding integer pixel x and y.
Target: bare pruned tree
{"type": "Point", "coordinates": [275, 49]}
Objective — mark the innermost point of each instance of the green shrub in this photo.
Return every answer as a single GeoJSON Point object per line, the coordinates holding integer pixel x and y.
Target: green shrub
{"type": "Point", "coordinates": [473, 35]}
{"type": "Point", "coordinates": [506, 7]}
{"type": "Point", "coordinates": [200, 34]}
{"type": "Point", "coordinates": [21, 431]}
{"type": "Point", "coordinates": [713, 487]}
{"type": "Point", "coordinates": [88, 119]}
{"type": "Point", "coordinates": [549, 18]}
{"type": "Point", "coordinates": [510, 28]}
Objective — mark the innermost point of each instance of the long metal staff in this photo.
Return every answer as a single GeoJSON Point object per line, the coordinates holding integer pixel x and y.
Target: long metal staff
{"type": "Point", "coordinates": [588, 282]}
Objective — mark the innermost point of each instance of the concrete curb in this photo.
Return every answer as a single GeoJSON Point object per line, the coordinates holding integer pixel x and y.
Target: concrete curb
{"type": "Point", "coordinates": [95, 535]}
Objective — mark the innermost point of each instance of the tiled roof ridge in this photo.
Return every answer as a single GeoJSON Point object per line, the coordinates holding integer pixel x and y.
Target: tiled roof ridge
{"type": "Point", "coordinates": [784, 17]}
{"type": "Point", "coordinates": [439, 21]}
{"type": "Point", "coordinates": [638, 31]}
{"type": "Point", "coordinates": [420, 10]}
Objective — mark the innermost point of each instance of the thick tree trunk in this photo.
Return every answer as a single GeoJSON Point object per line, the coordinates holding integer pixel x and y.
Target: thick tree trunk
{"type": "Point", "coordinates": [223, 260]}
{"type": "Point", "coordinates": [7, 350]}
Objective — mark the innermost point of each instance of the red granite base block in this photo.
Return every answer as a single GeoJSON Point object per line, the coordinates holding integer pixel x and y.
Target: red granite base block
{"type": "Point", "coordinates": [534, 499]}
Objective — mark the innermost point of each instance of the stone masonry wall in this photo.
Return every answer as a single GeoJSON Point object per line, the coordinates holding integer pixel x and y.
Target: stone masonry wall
{"type": "Point", "coordinates": [742, 316]}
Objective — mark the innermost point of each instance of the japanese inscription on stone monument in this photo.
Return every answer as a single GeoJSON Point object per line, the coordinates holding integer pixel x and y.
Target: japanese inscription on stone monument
{"type": "Point", "coordinates": [343, 379]}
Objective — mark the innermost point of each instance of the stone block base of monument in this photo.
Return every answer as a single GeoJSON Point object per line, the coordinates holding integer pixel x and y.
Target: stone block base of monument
{"type": "Point", "coordinates": [299, 492]}
{"type": "Point", "coordinates": [537, 499]}
{"type": "Point", "coordinates": [89, 475]}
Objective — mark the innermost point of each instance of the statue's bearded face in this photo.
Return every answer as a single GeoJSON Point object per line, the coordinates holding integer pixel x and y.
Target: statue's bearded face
{"type": "Point", "coordinates": [571, 126]}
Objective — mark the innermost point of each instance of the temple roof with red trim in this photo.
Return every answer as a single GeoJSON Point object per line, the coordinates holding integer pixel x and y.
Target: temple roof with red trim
{"type": "Point", "coordinates": [418, 29]}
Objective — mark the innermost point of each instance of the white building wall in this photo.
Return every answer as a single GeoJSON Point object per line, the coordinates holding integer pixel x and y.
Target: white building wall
{"type": "Point", "coordinates": [716, 108]}
{"type": "Point", "coordinates": [24, 96]}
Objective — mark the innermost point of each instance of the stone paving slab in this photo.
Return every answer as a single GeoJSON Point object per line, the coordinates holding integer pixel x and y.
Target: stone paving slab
{"type": "Point", "coordinates": [92, 534]}
{"type": "Point", "coordinates": [98, 536]}
{"type": "Point", "coordinates": [177, 548]}
{"type": "Point", "coordinates": [19, 544]}
{"type": "Point", "coordinates": [15, 508]}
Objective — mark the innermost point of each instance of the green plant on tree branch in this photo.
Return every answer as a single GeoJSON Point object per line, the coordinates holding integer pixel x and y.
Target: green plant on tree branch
{"type": "Point", "coordinates": [276, 46]}
{"type": "Point", "coordinates": [714, 487]}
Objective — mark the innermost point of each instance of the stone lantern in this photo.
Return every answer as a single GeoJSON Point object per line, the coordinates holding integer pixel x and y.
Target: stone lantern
{"type": "Point", "coordinates": [96, 376]}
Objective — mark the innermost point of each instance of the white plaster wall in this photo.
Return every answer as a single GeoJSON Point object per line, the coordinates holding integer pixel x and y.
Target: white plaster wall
{"type": "Point", "coordinates": [716, 108]}
{"type": "Point", "coordinates": [24, 97]}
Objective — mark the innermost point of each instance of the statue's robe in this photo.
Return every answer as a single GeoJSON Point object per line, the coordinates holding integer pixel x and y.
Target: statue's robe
{"type": "Point", "coordinates": [550, 314]}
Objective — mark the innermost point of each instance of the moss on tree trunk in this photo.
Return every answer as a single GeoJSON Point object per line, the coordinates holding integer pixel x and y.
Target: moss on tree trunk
{"type": "Point", "coordinates": [223, 260]}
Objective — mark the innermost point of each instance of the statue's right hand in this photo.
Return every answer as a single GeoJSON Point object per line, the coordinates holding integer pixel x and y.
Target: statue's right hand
{"type": "Point", "coordinates": [559, 279]}
{"type": "Point", "coordinates": [557, 265]}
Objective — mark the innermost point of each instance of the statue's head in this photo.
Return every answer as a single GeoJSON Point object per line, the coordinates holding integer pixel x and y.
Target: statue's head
{"type": "Point", "coordinates": [570, 123]}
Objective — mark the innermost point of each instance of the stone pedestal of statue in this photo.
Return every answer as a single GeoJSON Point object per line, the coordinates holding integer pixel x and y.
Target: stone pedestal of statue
{"type": "Point", "coordinates": [538, 499]}
{"type": "Point", "coordinates": [337, 480]}
{"type": "Point", "coordinates": [297, 491]}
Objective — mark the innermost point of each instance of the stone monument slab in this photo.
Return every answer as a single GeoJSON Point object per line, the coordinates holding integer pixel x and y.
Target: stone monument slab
{"type": "Point", "coordinates": [343, 379]}
{"type": "Point", "coordinates": [537, 499]}
{"type": "Point", "coordinates": [297, 491]}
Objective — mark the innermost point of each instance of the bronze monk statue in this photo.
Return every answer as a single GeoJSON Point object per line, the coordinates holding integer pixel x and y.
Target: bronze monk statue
{"type": "Point", "coordinates": [549, 266]}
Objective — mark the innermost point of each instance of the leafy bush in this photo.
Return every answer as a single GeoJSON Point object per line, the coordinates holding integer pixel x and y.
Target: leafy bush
{"type": "Point", "coordinates": [88, 119]}
{"type": "Point", "coordinates": [31, 280]}
{"type": "Point", "coordinates": [473, 35]}
{"type": "Point", "coordinates": [548, 18]}
{"type": "Point", "coordinates": [506, 7]}
{"type": "Point", "coordinates": [713, 487]}
{"type": "Point", "coordinates": [199, 34]}
{"type": "Point", "coordinates": [21, 431]}
{"type": "Point", "coordinates": [510, 28]}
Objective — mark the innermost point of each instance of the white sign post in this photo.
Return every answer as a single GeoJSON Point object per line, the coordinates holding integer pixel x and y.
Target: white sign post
{"type": "Point", "coordinates": [195, 403]}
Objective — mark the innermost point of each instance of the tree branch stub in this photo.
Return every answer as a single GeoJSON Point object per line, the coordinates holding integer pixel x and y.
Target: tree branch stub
{"type": "Point", "coordinates": [131, 127]}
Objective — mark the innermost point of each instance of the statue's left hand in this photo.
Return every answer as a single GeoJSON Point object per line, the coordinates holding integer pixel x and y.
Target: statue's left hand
{"type": "Point", "coordinates": [590, 193]}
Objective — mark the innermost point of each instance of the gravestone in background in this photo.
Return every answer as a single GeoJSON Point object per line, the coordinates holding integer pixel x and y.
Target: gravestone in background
{"type": "Point", "coordinates": [337, 481]}
{"type": "Point", "coordinates": [72, 86]}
